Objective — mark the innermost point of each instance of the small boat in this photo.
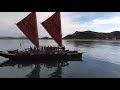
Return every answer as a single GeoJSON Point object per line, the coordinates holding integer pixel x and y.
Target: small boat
{"type": "Point", "coordinates": [29, 27]}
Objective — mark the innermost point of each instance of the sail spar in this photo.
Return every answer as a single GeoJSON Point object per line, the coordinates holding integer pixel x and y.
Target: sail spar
{"type": "Point", "coordinates": [53, 27]}
{"type": "Point", "coordinates": [29, 27]}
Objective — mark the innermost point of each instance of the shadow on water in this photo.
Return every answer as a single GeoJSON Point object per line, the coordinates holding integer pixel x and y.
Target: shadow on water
{"type": "Point", "coordinates": [115, 43]}
{"type": "Point", "coordinates": [87, 69]}
{"type": "Point", "coordinates": [36, 71]}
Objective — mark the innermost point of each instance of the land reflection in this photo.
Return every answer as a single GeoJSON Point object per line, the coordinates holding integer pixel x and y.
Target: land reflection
{"type": "Point", "coordinates": [77, 43]}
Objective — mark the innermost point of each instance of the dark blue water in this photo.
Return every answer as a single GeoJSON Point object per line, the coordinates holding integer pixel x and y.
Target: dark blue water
{"type": "Point", "coordinates": [100, 60]}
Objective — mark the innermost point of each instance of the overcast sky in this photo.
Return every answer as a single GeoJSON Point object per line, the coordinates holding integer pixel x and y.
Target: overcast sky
{"type": "Point", "coordinates": [71, 22]}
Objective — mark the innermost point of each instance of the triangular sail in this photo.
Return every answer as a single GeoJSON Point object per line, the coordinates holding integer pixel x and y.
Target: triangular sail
{"type": "Point", "coordinates": [53, 27]}
{"type": "Point", "coordinates": [29, 27]}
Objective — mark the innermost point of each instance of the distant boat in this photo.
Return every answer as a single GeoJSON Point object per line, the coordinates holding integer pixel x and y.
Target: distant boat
{"type": "Point", "coordinates": [29, 27]}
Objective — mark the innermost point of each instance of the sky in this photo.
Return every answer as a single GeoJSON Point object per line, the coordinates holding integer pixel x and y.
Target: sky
{"type": "Point", "coordinates": [71, 22]}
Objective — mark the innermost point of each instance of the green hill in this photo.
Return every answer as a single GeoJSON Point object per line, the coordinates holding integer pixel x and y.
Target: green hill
{"type": "Point", "coordinates": [93, 35]}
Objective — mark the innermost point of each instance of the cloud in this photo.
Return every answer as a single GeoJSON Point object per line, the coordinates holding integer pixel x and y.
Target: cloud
{"type": "Point", "coordinates": [68, 24]}
{"type": "Point", "coordinates": [104, 24]}
{"type": "Point", "coordinates": [71, 22]}
{"type": "Point", "coordinates": [113, 20]}
{"type": "Point", "coordinates": [8, 22]}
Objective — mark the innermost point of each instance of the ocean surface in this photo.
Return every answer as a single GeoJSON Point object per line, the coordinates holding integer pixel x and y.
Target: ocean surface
{"type": "Point", "coordinates": [101, 59]}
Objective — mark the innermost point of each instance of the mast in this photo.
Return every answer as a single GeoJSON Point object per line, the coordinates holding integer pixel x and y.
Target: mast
{"type": "Point", "coordinates": [29, 27]}
{"type": "Point", "coordinates": [53, 26]}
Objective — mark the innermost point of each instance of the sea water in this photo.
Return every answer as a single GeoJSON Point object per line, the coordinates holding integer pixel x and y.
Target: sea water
{"type": "Point", "coordinates": [101, 59]}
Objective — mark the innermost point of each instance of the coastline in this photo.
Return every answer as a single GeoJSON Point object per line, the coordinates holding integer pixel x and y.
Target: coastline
{"type": "Point", "coordinates": [92, 40]}
{"type": "Point", "coordinates": [95, 40]}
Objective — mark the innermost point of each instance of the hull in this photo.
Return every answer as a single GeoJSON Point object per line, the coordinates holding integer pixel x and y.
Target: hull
{"type": "Point", "coordinates": [42, 57]}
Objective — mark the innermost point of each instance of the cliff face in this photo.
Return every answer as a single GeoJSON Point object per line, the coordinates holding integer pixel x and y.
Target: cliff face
{"type": "Point", "coordinates": [93, 35]}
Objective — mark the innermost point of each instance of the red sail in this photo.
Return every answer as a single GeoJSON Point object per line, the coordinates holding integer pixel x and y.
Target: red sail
{"type": "Point", "coordinates": [53, 27]}
{"type": "Point", "coordinates": [29, 27]}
